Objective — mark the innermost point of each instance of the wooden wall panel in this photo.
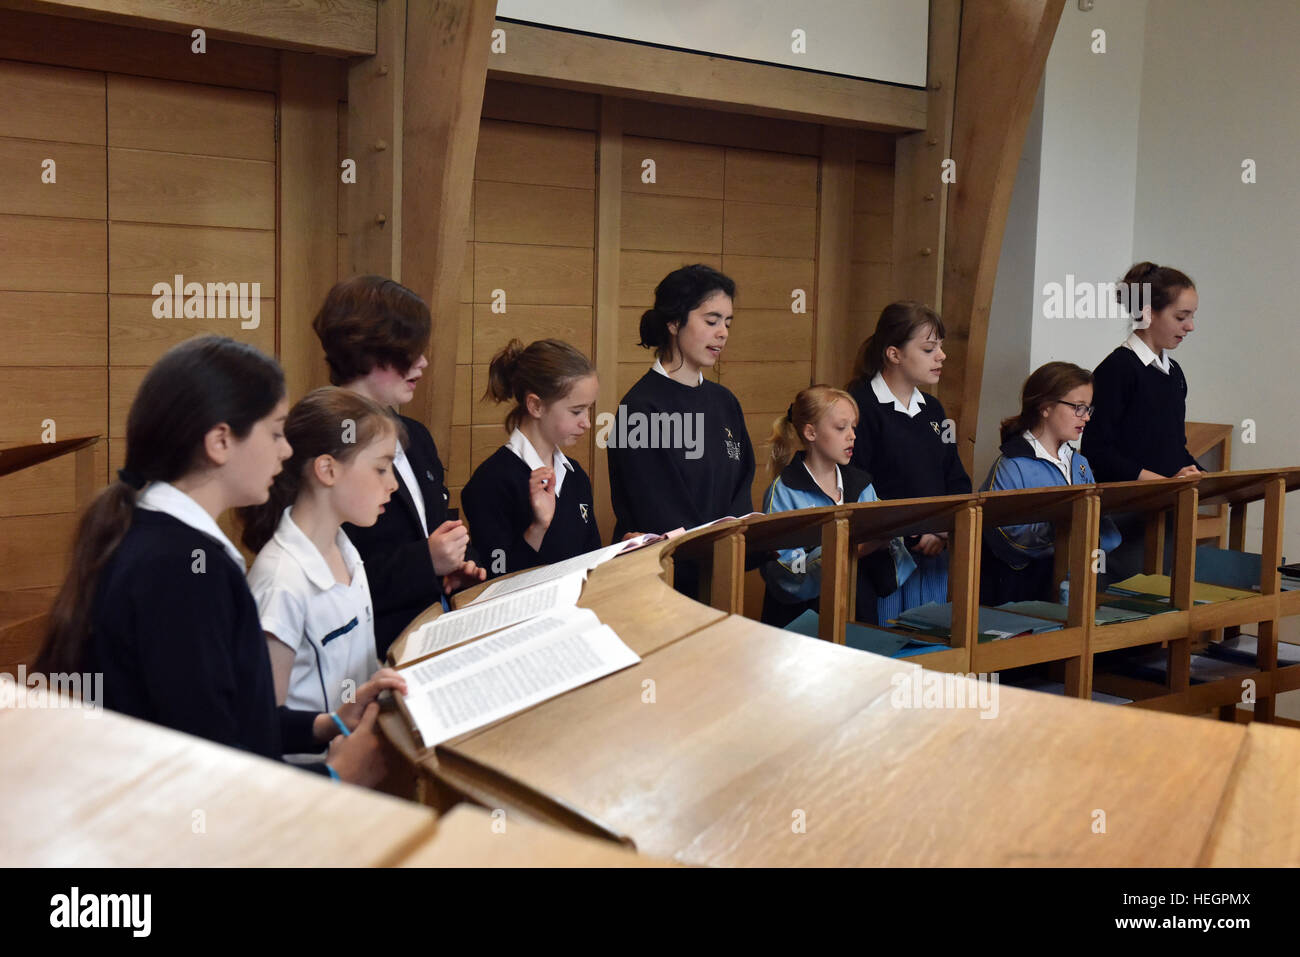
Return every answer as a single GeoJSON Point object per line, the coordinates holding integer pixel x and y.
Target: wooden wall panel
{"type": "Point", "coordinates": [73, 397]}
{"type": "Point", "coordinates": [186, 118]}
{"type": "Point", "coordinates": [873, 276]}
{"type": "Point", "coordinates": [77, 192]}
{"type": "Point", "coordinates": [49, 103]}
{"type": "Point", "coordinates": [52, 255]}
{"type": "Point", "coordinates": [152, 187]}
{"type": "Point", "coordinates": [147, 253]}
{"type": "Point", "coordinates": [54, 328]}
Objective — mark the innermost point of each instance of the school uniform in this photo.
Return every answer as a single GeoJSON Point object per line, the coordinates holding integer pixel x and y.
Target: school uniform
{"type": "Point", "coordinates": [1139, 423]}
{"type": "Point", "coordinates": [329, 625]}
{"type": "Point", "coordinates": [793, 575]}
{"type": "Point", "coordinates": [1019, 559]}
{"type": "Point", "coordinates": [395, 549]}
{"type": "Point", "coordinates": [176, 633]}
{"type": "Point", "coordinates": [901, 445]}
{"type": "Point", "coordinates": [706, 476]}
{"type": "Point", "coordinates": [498, 509]}
{"type": "Point", "coordinates": [1140, 417]}
{"type": "Point", "coordinates": [660, 489]}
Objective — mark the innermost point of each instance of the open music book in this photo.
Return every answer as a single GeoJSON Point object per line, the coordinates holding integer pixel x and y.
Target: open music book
{"type": "Point", "coordinates": [460, 689]}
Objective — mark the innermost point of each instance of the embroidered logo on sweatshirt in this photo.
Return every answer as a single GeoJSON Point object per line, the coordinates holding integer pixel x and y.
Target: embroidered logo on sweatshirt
{"type": "Point", "coordinates": [582, 507]}
{"type": "Point", "coordinates": [733, 447]}
{"type": "Point", "coordinates": [935, 426]}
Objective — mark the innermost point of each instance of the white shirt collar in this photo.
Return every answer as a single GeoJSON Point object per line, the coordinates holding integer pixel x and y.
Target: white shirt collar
{"type": "Point", "coordinates": [168, 499]}
{"type": "Point", "coordinates": [1161, 362]}
{"type": "Point", "coordinates": [915, 401]}
{"type": "Point", "coordinates": [658, 367]}
{"type": "Point", "coordinates": [839, 482]}
{"type": "Point", "coordinates": [518, 443]}
{"type": "Point", "coordinates": [303, 550]}
{"type": "Point", "coordinates": [1061, 460]}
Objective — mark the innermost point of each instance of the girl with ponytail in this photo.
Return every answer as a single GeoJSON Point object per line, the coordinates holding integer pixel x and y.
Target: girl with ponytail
{"type": "Point", "coordinates": [528, 504]}
{"type": "Point", "coordinates": [905, 440]}
{"type": "Point", "coordinates": [811, 447]}
{"type": "Point", "coordinates": [155, 598]}
{"type": "Point", "coordinates": [1139, 430]}
{"type": "Point", "coordinates": [679, 452]}
{"type": "Point", "coordinates": [309, 582]}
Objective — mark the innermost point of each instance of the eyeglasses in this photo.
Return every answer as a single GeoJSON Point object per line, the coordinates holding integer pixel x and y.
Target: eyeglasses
{"type": "Point", "coordinates": [1080, 410]}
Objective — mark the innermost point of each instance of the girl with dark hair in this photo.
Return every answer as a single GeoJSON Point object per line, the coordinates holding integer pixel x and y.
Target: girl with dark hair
{"type": "Point", "coordinates": [679, 453]}
{"type": "Point", "coordinates": [308, 580]}
{"type": "Point", "coordinates": [375, 331]}
{"type": "Point", "coordinates": [811, 447]}
{"type": "Point", "coordinates": [904, 440]}
{"type": "Point", "coordinates": [1139, 429]}
{"type": "Point", "coordinates": [528, 504]}
{"type": "Point", "coordinates": [1055, 405]}
{"type": "Point", "coordinates": [155, 598]}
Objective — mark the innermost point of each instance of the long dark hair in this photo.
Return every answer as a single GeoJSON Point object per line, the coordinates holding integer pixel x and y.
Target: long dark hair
{"type": "Point", "coordinates": [676, 295]}
{"type": "Point", "coordinates": [327, 421]}
{"type": "Point", "coordinates": [898, 323]}
{"type": "Point", "coordinates": [1044, 386]}
{"type": "Point", "coordinates": [548, 369]}
{"type": "Point", "coordinates": [194, 387]}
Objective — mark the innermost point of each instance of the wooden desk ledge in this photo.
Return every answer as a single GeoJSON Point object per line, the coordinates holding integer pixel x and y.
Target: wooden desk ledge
{"type": "Point", "coordinates": [469, 836]}
{"type": "Point", "coordinates": [111, 791]}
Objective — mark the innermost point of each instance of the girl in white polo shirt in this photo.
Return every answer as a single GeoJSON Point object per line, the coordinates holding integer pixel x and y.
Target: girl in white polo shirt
{"type": "Point", "coordinates": [308, 580]}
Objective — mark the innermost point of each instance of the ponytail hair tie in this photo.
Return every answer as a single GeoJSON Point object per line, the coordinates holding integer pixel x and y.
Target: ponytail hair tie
{"type": "Point", "coordinates": [133, 479]}
{"type": "Point", "coordinates": [789, 413]}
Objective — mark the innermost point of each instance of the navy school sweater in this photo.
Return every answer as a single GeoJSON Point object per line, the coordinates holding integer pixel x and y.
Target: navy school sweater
{"type": "Point", "coordinates": [704, 473]}
{"type": "Point", "coordinates": [906, 457]}
{"type": "Point", "coordinates": [395, 549]}
{"type": "Point", "coordinates": [1140, 419]}
{"type": "Point", "coordinates": [183, 647]}
{"type": "Point", "coordinates": [498, 511]}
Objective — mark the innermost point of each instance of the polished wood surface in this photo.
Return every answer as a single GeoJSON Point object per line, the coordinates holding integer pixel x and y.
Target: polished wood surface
{"type": "Point", "coordinates": [105, 790]}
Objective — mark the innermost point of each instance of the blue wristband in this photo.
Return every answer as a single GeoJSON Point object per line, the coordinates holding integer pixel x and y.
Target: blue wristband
{"type": "Point", "coordinates": [343, 728]}
{"type": "Point", "coordinates": [333, 774]}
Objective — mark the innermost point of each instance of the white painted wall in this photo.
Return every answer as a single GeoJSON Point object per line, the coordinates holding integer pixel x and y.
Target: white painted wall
{"type": "Point", "coordinates": [872, 39]}
{"type": "Point", "coordinates": [1220, 84]}
{"type": "Point", "coordinates": [1088, 172]}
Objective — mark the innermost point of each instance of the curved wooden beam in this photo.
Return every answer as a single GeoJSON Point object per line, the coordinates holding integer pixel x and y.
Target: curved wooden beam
{"type": "Point", "coordinates": [1000, 62]}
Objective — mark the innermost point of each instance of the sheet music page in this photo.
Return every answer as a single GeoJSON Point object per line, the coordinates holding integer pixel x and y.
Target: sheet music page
{"type": "Point", "coordinates": [475, 619]}
{"type": "Point", "coordinates": [544, 573]}
{"type": "Point", "coordinates": [467, 688]}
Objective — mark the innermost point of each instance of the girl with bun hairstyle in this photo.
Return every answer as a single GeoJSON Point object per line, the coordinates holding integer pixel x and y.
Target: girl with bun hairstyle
{"type": "Point", "coordinates": [1055, 405]}
{"type": "Point", "coordinates": [905, 441]}
{"type": "Point", "coordinates": [155, 597]}
{"type": "Point", "coordinates": [1139, 431]}
{"type": "Point", "coordinates": [679, 453]}
{"type": "Point", "coordinates": [1139, 428]}
{"type": "Point", "coordinates": [529, 504]}
{"type": "Point", "coordinates": [811, 448]}
{"type": "Point", "coordinates": [309, 582]}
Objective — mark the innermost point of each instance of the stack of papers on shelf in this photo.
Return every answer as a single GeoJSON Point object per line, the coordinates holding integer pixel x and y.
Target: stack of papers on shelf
{"type": "Point", "coordinates": [936, 620]}
{"type": "Point", "coordinates": [1143, 586]}
{"type": "Point", "coordinates": [460, 689]}
{"type": "Point", "coordinates": [1105, 615]}
{"type": "Point", "coordinates": [878, 641]}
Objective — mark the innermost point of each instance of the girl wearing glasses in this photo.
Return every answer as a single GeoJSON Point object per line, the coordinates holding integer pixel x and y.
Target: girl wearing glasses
{"type": "Point", "coordinates": [1055, 406]}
